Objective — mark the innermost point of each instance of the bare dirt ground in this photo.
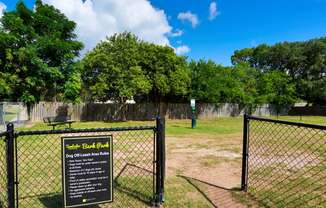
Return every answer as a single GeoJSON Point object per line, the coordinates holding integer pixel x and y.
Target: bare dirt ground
{"type": "Point", "coordinates": [211, 164]}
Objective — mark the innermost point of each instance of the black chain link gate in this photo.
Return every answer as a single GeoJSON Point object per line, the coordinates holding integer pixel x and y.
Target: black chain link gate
{"type": "Point", "coordinates": [34, 177]}
{"type": "Point", "coordinates": [284, 163]}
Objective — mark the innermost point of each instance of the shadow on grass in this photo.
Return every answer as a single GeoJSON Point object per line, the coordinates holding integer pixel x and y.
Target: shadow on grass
{"type": "Point", "coordinates": [216, 195]}
{"type": "Point", "coordinates": [135, 186]}
{"type": "Point", "coordinates": [52, 201]}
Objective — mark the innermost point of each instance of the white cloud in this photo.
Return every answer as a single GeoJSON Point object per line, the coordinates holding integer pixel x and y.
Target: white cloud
{"type": "Point", "coordinates": [2, 8]}
{"type": "Point", "coordinates": [188, 16]}
{"type": "Point", "coordinates": [213, 12]}
{"type": "Point", "coordinates": [97, 19]}
{"type": "Point", "coordinates": [177, 33]}
{"type": "Point", "coordinates": [181, 50]}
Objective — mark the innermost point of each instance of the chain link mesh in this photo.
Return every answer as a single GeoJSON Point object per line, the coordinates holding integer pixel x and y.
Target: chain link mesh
{"type": "Point", "coordinates": [3, 172]}
{"type": "Point", "coordinates": [39, 168]}
{"type": "Point", "coordinates": [287, 164]}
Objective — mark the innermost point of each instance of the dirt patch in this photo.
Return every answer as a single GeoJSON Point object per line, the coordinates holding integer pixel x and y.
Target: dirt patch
{"type": "Point", "coordinates": [296, 160]}
{"type": "Point", "coordinates": [217, 175]}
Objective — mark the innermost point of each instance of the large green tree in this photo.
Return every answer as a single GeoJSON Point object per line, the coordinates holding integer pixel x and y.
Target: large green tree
{"type": "Point", "coordinates": [37, 49]}
{"type": "Point", "coordinates": [112, 70]}
{"type": "Point", "coordinates": [244, 90]}
{"type": "Point", "coordinates": [208, 81]}
{"type": "Point", "coordinates": [214, 83]}
{"type": "Point", "coordinates": [124, 67]}
{"type": "Point", "coordinates": [168, 73]}
{"type": "Point", "coordinates": [278, 89]}
{"type": "Point", "coordinates": [305, 62]}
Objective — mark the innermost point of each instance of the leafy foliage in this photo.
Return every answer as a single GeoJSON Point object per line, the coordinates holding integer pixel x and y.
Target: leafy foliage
{"type": "Point", "coordinates": [123, 67]}
{"type": "Point", "coordinates": [209, 81]}
{"type": "Point", "coordinates": [240, 84]}
{"type": "Point", "coordinates": [36, 49]}
{"type": "Point", "coordinates": [279, 89]}
{"type": "Point", "coordinates": [112, 70]}
{"type": "Point", "coordinates": [167, 72]}
{"type": "Point", "coordinates": [304, 61]}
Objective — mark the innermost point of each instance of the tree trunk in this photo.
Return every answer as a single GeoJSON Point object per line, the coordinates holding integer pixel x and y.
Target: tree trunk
{"type": "Point", "coordinates": [124, 109]}
{"type": "Point", "coordinates": [29, 109]}
{"type": "Point", "coordinates": [2, 117]}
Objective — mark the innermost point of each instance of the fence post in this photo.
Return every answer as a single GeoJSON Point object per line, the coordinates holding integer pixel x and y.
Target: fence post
{"type": "Point", "coordinates": [160, 160]}
{"type": "Point", "coordinates": [10, 165]}
{"type": "Point", "coordinates": [245, 154]}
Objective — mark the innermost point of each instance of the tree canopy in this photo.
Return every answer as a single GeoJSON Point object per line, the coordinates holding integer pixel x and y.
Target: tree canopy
{"type": "Point", "coordinates": [39, 62]}
{"type": "Point", "coordinates": [37, 49]}
{"type": "Point", "coordinates": [124, 67]}
{"type": "Point", "coordinates": [304, 61]}
{"type": "Point", "coordinates": [112, 70]}
{"type": "Point", "coordinates": [241, 84]}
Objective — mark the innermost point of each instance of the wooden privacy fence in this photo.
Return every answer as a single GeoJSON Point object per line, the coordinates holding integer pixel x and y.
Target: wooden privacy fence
{"type": "Point", "coordinates": [139, 111]}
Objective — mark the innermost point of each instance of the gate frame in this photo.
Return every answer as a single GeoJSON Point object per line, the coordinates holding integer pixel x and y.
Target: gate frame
{"type": "Point", "coordinates": [246, 140]}
{"type": "Point", "coordinates": [245, 155]}
{"type": "Point", "coordinates": [10, 156]}
{"type": "Point", "coordinates": [158, 156]}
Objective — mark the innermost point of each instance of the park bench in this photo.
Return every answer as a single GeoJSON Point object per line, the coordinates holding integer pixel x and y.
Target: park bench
{"type": "Point", "coordinates": [58, 121]}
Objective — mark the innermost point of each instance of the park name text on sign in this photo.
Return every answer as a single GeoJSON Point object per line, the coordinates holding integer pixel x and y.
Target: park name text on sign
{"type": "Point", "coordinates": [87, 167]}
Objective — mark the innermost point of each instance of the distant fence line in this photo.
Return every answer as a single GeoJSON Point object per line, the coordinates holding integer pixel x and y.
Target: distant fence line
{"type": "Point", "coordinates": [139, 111]}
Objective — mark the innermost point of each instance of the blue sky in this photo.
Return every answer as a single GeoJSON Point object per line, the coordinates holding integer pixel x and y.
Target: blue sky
{"type": "Point", "coordinates": [239, 24]}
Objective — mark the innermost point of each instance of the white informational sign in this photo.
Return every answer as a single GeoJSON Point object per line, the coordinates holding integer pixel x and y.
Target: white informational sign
{"type": "Point", "coordinates": [193, 103]}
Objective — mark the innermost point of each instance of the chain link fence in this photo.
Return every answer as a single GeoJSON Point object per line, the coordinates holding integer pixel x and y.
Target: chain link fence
{"type": "Point", "coordinates": [39, 168]}
{"type": "Point", "coordinates": [34, 177]}
{"type": "Point", "coordinates": [3, 171]}
{"type": "Point", "coordinates": [286, 163]}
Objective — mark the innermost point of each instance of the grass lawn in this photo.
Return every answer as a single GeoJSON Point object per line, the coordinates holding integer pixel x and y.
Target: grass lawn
{"type": "Point", "coordinates": [203, 164]}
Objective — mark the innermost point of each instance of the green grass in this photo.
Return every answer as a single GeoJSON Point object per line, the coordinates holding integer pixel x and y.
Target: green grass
{"type": "Point", "coordinates": [179, 193]}
{"type": "Point", "coordinates": [178, 128]}
{"type": "Point", "coordinates": [182, 128]}
{"type": "Point", "coordinates": [321, 120]}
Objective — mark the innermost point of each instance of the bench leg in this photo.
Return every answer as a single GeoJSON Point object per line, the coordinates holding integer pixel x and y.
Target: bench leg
{"type": "Point", "coordinates": [53, 127]}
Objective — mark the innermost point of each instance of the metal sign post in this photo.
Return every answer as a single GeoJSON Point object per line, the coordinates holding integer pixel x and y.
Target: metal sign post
{"type": "Point", "coordinates": [193, 113]}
